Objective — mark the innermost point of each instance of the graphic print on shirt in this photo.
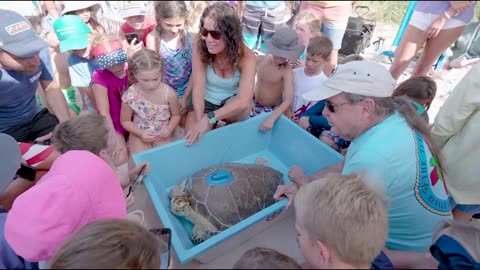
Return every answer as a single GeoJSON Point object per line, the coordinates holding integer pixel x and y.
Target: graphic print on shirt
{"type": "Point", "coordinates": [429, 192]}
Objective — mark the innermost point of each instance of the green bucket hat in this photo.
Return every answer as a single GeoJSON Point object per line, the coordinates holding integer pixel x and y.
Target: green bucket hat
{"type": "Point", "coordinates": [72, 32]}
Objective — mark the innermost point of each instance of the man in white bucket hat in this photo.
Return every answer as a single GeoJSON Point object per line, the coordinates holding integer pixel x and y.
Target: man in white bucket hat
{"type": "Point", "coordinates": [390, 146]}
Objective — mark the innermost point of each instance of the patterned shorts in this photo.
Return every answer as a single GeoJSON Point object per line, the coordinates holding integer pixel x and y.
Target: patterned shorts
{"type": "Point", "coordinates": [259, 109]}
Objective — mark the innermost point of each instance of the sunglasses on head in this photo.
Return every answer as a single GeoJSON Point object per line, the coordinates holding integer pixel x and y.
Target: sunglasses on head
{"type": "Point", "coordinates": [215, 34]}
{"type": "Point", "coordinates": [332, 107]}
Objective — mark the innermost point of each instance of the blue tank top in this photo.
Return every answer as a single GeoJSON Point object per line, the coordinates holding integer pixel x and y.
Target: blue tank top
{"type": "Point", "coordinates": [177, 65]}
{"type": "Point", "coordinates": [217, 89]}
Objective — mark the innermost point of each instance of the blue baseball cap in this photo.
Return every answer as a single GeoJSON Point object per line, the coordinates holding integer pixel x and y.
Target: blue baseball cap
{"type": "Point", "coordinates": [17, 36]}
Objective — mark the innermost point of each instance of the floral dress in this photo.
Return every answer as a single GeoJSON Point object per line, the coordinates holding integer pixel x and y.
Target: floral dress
{"type": "Point", "coordinates": [147, 115]}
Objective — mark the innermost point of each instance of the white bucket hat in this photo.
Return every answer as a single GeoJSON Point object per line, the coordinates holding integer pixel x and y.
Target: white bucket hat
{"type": "Point", "coordinates": [76, 5]}
{"type": "Point", "coordinates": [363, 78]}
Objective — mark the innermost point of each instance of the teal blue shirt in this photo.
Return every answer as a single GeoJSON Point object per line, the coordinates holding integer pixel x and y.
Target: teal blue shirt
{"type": "Point", "coordinates": [397, 158]}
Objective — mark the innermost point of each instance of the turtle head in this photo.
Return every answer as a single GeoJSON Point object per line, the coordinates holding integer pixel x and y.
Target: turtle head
{"type": "Point", "coordinates": [181, 205]}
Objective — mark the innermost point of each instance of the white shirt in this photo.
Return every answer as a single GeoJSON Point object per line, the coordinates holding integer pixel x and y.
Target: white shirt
{"type": "Point", "coordinates": [302, 84]}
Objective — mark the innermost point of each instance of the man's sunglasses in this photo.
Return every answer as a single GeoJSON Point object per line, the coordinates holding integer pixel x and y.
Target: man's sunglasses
{"type": "Point", "coordinates": [332, 107]}
{"type": "Point", "coordinates": [215, 34]}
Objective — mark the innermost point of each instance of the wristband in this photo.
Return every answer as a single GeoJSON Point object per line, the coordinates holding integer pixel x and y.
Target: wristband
{"type": "Point", "coordinates": [446, 15]}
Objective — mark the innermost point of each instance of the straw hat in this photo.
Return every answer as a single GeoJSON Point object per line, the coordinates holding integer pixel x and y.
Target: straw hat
{"type": "Point", "coordinates": [76, 5]}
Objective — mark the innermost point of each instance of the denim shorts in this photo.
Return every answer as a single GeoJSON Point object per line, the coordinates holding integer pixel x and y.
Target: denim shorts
{"type": "Point", "coordinates": [465, 208]}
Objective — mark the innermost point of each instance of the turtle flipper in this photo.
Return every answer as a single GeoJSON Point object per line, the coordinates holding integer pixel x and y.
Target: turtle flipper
{"type": "Point", "coordinates": [200, 234]}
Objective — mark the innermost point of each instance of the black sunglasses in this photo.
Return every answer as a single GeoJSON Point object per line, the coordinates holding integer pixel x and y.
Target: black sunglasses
{"type": "Point", "coordinates": [215, 34]}
{"type": "Point", "coordinates": [165, 237]}
{"type": "Point", "coordinates": [331, 107]}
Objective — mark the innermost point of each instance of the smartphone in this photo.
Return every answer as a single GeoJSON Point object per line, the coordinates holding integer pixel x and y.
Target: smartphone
{"type": "Point", "coordinates": [27, 172]}
{"type": "Point", "coordinates": [130, 37]}
{"type": "Point", "coordinates": [164, 236]}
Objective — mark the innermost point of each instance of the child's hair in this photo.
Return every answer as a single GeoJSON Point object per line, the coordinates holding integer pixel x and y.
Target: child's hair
{"type": "Point", "coordinates": [346, 214]}
{"type": "Point", "coordinates": [320, 45]}
{"type": "Point", "coordinates": [418, 88]}
{"type": "Point", "coordinates": [88, 131]}
{"type": "Point", "coordinates": [350, 58]}
{"type": "Point", "coordinates": [96, 26]}
{"type": "Point", "coordinates": [265, 258]}
{"type": "Point", "coordinates": [109, 244]}
{"type": "Point", "coordinates": [196, 12]}
{"type": "Point", "coordinates": [102, 38]}
{"type": "Point", "coordinates": [170, 9]}
{"type": "Point", "coordinates": [311, 20]}
{"type": "Point", "coordinates": [142, 60]}
{"type": "Point", "coordinates": [466, 234]}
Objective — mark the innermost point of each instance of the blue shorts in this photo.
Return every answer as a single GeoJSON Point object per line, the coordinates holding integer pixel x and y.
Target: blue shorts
{"type": "Point", "coordinates": [465, 208]}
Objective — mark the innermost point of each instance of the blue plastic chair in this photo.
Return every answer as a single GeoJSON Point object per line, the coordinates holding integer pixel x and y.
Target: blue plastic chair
{"type": "Point", "coordinates": [401, 30]}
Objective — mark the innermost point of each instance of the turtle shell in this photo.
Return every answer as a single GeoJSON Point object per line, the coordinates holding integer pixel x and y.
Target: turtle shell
{"type": "Point", "coordinates": [250, 191]}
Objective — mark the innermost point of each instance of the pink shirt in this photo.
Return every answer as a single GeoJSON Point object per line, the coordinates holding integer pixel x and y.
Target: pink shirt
{"type": "Point", "coordinates": [115, 88]}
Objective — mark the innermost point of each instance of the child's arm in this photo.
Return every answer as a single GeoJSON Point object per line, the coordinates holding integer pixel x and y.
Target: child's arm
{"type": "Point", "coordinates": [151, 40]}
{"type": "Point", "coordinates": [287, 98]}
{"type": "Point", "coordinates": [174, 115]}
{"type": "Point", "coordinates": [126, 120]}
{"type": "Point", "coordinates": [103, 106]}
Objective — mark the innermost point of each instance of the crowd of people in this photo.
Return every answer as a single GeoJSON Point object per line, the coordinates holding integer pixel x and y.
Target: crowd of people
{"type": "Point", "coordinates": [86, 85]}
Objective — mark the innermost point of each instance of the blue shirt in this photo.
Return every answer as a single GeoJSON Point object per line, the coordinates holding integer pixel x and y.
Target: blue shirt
{"type": "Point", "coordinates": [397, 158]}
{"type": "Point", "coordinates": [17, 90]}
{"type": "Point", "coordinates": [81, 70]}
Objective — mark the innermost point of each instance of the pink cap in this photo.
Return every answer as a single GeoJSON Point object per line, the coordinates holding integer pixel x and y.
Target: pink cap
{"type": "Point", "coordinates": [79, 188]}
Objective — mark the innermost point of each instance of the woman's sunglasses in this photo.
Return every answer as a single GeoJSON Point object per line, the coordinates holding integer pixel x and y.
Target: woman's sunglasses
{"type": "Point", "coordinates": [215, 34]}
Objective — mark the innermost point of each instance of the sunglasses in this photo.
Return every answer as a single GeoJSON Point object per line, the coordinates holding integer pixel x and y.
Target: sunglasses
{"type": "Point", "coordinates": [215, 34]}
{"type": "Point", "coordinates": [332, 107]}
{"type": "Point", "coordinates": [165, 237]}
{"type": "Point", "coordinates": [131, 186]}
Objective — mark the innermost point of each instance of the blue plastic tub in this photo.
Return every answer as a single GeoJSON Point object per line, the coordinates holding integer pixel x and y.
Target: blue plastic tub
{"type": "Point", "coordinates": [284, 146]}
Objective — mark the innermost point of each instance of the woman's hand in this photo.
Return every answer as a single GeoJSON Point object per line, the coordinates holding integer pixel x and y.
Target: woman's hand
{"type": "Point", "coordinates": [198, 130]}
{"type": "Point", "coordinates": [460, 6]}
{"type": "Point", "coordinates": [435, 27]}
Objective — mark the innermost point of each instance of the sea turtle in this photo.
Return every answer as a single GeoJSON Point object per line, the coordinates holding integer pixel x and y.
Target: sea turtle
{"type": "Point", "coordinates": [218, 197]}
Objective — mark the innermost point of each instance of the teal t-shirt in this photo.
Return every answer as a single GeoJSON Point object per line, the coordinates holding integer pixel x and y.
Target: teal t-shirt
{"type": "Point", "coordinates": [397, 158]}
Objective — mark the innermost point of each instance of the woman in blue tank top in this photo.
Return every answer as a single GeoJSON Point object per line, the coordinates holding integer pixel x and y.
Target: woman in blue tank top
{"type": "Point", "coordinates": [223, 72]}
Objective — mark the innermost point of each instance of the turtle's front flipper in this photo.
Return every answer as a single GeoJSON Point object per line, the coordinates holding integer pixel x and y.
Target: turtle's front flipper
{"type": "Point", "coordinates": [200, 234]}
